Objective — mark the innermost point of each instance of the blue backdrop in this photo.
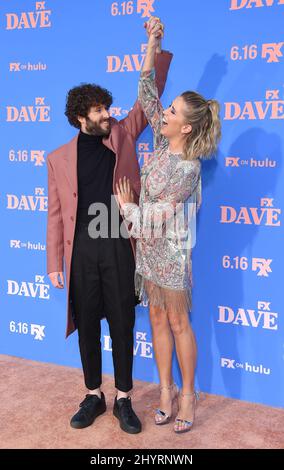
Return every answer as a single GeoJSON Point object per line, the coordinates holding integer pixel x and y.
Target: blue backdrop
{"type": "Point", "coordinates": [230, 50]}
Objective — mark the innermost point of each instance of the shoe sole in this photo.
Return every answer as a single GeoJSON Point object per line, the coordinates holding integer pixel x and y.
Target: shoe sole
{"type": "Point", "coordinates": [80, 426]}
{"type": "Point", "coordinates": [183, 431]}
{"type": "Point", "coordinates": [129, 431]}
{"type": "Point", "coordinates": [162, 423]}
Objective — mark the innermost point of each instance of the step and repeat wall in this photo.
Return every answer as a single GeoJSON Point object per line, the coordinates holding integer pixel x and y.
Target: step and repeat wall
{"type": "Point", "coordinates": [230, 50]}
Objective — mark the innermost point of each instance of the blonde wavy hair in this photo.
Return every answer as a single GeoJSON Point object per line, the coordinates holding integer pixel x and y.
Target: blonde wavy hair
{"type": "Point", "coordinates": [203, 116]}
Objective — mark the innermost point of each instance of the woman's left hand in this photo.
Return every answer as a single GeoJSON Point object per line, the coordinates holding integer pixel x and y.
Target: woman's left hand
{"type": "Point", "coordinates": [155, 32]}
{"type": "Point", "coordinates": [124, 191]}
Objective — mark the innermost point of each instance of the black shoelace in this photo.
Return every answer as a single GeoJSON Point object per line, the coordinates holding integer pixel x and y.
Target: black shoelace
{"type": "Point", "coordinates": [87, 400]}
{"type": "Point", "coordinates": [128, 408]}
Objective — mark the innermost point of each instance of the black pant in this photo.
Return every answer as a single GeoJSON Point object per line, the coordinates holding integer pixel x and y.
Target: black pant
{"type": "Point", "coordinates": [102, 284]}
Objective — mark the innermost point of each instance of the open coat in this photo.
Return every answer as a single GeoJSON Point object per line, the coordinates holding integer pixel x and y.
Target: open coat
{"type": "Point", "coordinates": [63, 185]}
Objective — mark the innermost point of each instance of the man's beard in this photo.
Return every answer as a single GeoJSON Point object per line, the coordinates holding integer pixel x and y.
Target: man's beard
{"type": "Point", "coordinates": [93, 128]}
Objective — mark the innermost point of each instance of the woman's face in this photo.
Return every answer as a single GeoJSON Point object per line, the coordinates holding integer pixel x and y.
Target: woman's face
{"type": "Point", "coordinates": [174, 124]}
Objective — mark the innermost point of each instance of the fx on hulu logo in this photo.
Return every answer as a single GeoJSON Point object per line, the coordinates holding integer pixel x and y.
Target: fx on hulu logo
{"type": "Point", "coordinates": [247, 367]}
{"type": "Point", "coordinates": [237, 162]}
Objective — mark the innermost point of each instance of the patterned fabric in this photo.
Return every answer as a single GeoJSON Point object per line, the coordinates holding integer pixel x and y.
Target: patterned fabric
{"type": "Point", "coordinates": [170, 196]}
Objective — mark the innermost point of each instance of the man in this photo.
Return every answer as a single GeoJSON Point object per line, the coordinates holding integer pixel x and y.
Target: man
{"type": "Point", "coordinates": [99, 270]}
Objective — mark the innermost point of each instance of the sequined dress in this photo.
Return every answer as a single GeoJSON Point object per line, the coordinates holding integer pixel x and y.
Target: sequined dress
{"type": "Point", "coordinates": [164, 221]}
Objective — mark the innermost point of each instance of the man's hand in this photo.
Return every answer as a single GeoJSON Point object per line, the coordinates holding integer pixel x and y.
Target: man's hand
{"type": "Point", "coordinates": [155, 31]}
{"type": "Point", "coordinates": [57, 279]}
{"type": "Point", "coordinates": [124, 191]}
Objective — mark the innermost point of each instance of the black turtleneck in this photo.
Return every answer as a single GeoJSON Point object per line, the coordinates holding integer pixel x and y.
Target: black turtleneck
{"type": "Point", "coordinates": [95, 166]}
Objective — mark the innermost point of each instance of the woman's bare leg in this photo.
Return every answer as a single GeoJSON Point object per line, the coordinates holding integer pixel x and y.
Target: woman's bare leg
{"type": "Point", "coordinates": [186, 353]}
{"type": "Point", "coordinates": [163, 347]}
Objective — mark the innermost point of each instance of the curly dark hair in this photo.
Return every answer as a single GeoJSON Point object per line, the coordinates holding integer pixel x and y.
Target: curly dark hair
{"type": "Point", "coordinates": [81, 98]}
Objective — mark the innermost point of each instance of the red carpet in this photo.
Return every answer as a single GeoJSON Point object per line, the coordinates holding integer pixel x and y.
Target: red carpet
{"type": "Point", "coordinates": [39, 399]}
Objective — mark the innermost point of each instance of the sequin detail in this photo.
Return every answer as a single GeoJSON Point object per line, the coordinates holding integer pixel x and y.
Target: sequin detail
{"type": "Point", "coordinates": [163, 264]}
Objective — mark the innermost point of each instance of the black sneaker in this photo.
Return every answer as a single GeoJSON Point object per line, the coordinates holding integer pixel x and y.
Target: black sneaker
{"type": "Point", "coordinates": [90, 408]}
{"type": "Point", "coordinates": [122, 410]}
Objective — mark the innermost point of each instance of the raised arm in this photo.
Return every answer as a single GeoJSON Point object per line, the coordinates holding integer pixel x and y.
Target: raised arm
{"type": "Point", "coordinates": [148, 94]}
{"type": "Point", "coordinates": [135, 122]}
{"type": "Point", "coordinates": [155, 30]}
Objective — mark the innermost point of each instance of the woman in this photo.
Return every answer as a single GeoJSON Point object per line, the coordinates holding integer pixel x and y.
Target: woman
{"type": "Point", "coordinates": [170, 184]}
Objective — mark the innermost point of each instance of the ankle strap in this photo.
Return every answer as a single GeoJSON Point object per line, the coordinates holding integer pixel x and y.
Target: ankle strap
{"type": "Point", "coordinates": [196, 394]}
{"type": "Point", "coordinates": [167, 387]}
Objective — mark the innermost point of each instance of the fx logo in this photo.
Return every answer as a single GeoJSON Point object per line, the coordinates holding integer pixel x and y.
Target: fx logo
{"type": "Point", "coordinates": [261, 305]}
{"type": "Point", "coordinates": [272, 95]}
{"type": "Point", "coordinates": [37, 331]}
{"type": "Point", "coordinates": [273, 51]}
{"type": "Point", "coordinates": [37, 156]}
{"type": "Point", "coordinates": [266, 202]}
{"type": "Point", "coordinates": [15, 243]}
{"type": "Point", "coordinates": [40, 5]}
{"type": "Point", "coordinates": [145, 7]}
{"type": "Point", "coordinates": [232, 161]}
{"type": "Point", "coordinates": [14, 67]}
{"type": "Point", "coordinates": [262, 265]}
{"type": "Point", "coordinates": [228, 363]}
{"type": "Point", "coordinates": [115, 111]}
{"type": "Point", "coordinates": [143, 146]}
{"type": "Point", "coordinates": [39, 191]}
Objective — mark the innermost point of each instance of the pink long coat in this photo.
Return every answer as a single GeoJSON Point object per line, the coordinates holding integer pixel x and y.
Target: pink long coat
{"type": "Point", "coordinates": [63, 186]}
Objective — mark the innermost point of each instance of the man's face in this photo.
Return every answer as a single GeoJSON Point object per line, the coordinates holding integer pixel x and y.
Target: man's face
{"type": "Point", "coordinates": [97, 122]}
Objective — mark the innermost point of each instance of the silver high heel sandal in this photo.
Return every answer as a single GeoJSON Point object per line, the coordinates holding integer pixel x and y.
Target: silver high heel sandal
{"type": "Point", "coordinates": [183, 425]}
{"type": "Point", "coordinates": [161, 417]}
